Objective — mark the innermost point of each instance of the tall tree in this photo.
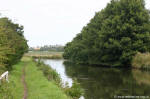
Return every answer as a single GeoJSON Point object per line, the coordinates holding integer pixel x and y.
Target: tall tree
{"type": "Point", "coordinates": [114, 35]}
{"type": "Point", "coordinates": [12, 43]}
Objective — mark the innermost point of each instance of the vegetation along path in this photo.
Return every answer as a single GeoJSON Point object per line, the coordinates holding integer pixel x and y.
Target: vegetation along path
{"type": "Point", "coordinates": [28, 82]}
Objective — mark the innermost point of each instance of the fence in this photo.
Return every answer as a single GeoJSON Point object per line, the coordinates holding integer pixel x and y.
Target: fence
{"type": "Point", "coordinates": [4, 76]}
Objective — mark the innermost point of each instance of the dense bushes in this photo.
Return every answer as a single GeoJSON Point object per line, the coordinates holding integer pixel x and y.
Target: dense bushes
{"type": "Point", "coordinates": [113, 36]}
{"type": "Point", "coordinates": [12, 43]}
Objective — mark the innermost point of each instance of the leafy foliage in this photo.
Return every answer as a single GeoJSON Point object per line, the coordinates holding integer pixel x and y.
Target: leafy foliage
{"type": "Point", "coordinates": [113, 36]}
{"type": "Point", "coordinates": [75, 91]}
{"type": "Point", "coordinates": [12, 43]}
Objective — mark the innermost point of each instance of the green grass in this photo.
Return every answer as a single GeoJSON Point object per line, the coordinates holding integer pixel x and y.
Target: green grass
{"type": "Point", "coordinates": [37, 85]}
{"type": "Point", "coordinates": [13, 89]}
{"type": "Point", "coordinates": [74, 92]}
{"type": "Point", "coordinates": [48, 72]}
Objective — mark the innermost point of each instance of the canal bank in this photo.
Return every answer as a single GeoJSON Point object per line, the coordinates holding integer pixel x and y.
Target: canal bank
{"type": "Point", "coordinates": [37, 86]}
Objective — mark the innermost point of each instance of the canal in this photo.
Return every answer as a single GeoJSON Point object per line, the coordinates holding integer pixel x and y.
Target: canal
{"type": "Point", "coordinates": [103, 83]}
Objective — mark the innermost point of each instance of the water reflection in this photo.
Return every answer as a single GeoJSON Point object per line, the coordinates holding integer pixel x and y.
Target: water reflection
{"type": "Point", "coordinates": [141, 77]}
{"type": "Point", "coordinates": [104, 83]}
{"type": "Point", "coordinates": [60, 68]}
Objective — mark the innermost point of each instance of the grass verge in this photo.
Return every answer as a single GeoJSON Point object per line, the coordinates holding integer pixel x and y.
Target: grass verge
{"type": "Point", "coordinates": [14, 89]}
{"type": "Point", "coordinates": [74, 92]}
{"type": "Point", "coordinates": [37, 85]}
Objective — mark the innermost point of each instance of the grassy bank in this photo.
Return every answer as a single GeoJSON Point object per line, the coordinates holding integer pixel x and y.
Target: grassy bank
{"type": "Point", "coordinates": [45, 54]}
{"type": "Point", "coordinates": [14, 89]}
{"type": "Point", "coordinates": [38, 86]}
{"type": "Point", "coordinates": [141, 61]}
{"type": "Point", "coordinates": [74, 92]}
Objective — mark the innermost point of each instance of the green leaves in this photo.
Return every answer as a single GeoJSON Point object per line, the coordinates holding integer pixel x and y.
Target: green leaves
{"type": "Point", "coordinates": [12, 42]}
{"type": "Point", "coordinates": [114, 35]}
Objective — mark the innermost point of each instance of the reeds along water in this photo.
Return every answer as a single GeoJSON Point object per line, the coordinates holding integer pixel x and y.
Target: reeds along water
{"type": "Point", "coordinates": [48, 56]}
{"type": "Point", "coordinates": [45, 55]}
{"type": "Point", "coordinates": [141, 61]}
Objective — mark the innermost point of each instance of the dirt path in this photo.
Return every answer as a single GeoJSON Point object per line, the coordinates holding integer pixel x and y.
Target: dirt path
{"type": "Point", "coordinates": [24, 83]}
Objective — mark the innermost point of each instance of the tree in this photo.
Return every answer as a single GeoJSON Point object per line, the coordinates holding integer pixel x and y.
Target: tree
{"type": "Point", "coordinates": [114, 35]}
{"type": "Point", "coordinates": [12, 43]}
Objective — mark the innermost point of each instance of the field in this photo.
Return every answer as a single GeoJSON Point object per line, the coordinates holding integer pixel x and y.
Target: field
{"type": "Point", "coordinates": [45, 54]}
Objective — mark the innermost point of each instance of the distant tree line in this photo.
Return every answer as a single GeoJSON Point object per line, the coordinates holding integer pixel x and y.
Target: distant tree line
{"type": "Point", "coordinates": [55, 48]}
{"type": "Point", "coordinates": [13, 44]}
{"type": "Point", "coordinates": [113, 36]}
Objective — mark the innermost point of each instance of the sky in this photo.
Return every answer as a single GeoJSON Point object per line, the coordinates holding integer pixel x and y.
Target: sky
{"type": "Point", "coordinates": [50, 22]}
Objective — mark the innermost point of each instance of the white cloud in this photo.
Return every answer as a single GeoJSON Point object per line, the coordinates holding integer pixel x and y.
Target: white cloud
{"type": "Point", "coordinates": [52, 21]}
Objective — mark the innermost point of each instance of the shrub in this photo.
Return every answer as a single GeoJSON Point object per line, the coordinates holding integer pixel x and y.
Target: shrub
{"type": "Point", "coordinates": [75, 91]}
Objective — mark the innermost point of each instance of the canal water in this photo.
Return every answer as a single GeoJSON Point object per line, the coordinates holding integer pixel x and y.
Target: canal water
{"type": "Point", "coordinates": [104, 83]}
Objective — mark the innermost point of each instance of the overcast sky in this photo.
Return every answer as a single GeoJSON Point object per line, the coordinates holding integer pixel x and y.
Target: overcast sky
{"type": "Point", "coordinates": [49, 22]}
